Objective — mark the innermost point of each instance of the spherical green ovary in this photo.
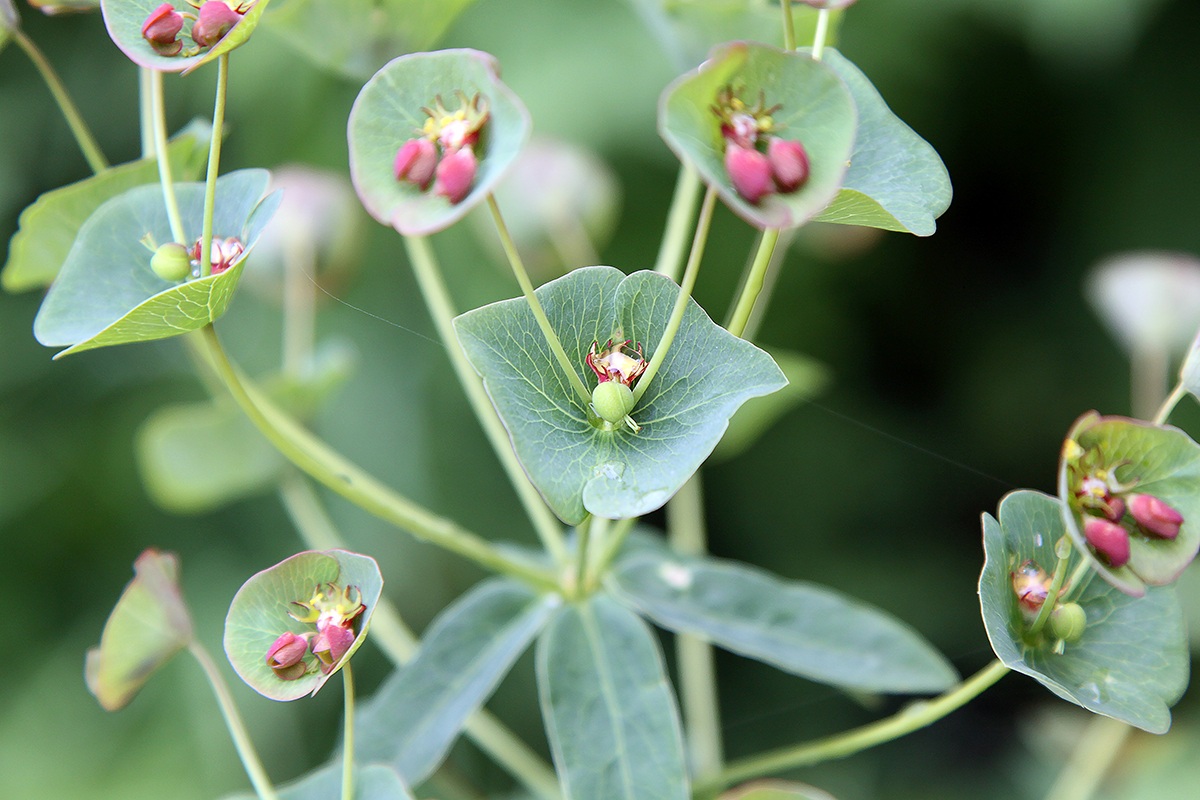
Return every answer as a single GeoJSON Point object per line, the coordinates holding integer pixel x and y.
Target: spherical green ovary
{"type": "Point", "coordinates": [1068, 621]}
{"type": "Point", "coordinates": [171, 262]}
{"type": "Point", "coordinates": [612, 401]}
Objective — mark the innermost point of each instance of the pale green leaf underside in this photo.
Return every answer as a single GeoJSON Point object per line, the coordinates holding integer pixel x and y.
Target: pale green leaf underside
{"type": "Point", "coordinates": [815, 108]}
{"type": "Point", "coordinates": [802, 628]}
{"type": "Point", "coordinates": [416, 715]}
{"type": "Point", "coordinates": [258, 615]}
{"type": "Point", "coordinates": [357, 37]}
{"type": "Point", "coordinates": [388, 112]}
{"type": "Point", "coordinates": [1132, 662]}
{"type": "Point", "coordinates": [124, 20]}
{"type": "Point", "coordinates": [106, 293]}
{"type": "Point", "coordinates": [609, 712]}
{"type": "Point", "coordinates": [371, 782]}
{"type": "Point", "coordinates": [48, 227]}
{"type": "Point", "coordinates": [580, 468]}
{"type": "Point", "coordinates": [896, 180]}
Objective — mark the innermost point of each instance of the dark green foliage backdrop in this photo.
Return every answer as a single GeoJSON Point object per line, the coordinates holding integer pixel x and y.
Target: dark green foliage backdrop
{"type": "Point", "coordinates": [958, 363]}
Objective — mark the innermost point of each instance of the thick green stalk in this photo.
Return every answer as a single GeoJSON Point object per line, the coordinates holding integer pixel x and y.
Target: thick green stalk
{"type": "Point", "coordinates": [916, 716]}
{"type": "Point", "coordinates": [1164, 411]}
{"type": "Point", "coordinates": [437, 299]}
{"type": "Point", "coordinates": [1091, 760]}
{"type": "Point", "coordinates": [233, 721]}
{"type": "Point", "coordinates": [1062, 549]}
{"type": "Point", "coordinates": [518, 268]}
{"type": "Point", "coordinates": [685, 294]}
{"type": "Point", "coordinates": [609, 547]}
{"type": "Point", "coordinates": [679, 222]}
{"type": "Point", "coordinates": [821, 34]}
{"type": "Point", "coordinates": [320, 461]}
{"type": "Point", "coordinates": [79, 129]}
{"type": "Point", "coordinates": [158, 115]}
{"type": "Point", "coordinates": [214, 165]}
{"type": "Point", "coordinates": [754, 282]}
{"type": "Point", "coordinates": [146, 111]}
{"type": "Point", "coordinates": [789, 25]}
{"type": "Point", "coordinates": [348, 734]}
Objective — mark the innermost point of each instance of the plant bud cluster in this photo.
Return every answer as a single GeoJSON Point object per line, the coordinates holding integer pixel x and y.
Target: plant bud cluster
{"type": "Point", "coordinates": [444, 155]}
{"type": "Point", "coordinates": [333, 611]}
{"type": "Point", "coordinates": [757, 161]}
{"type": "Point", "coordinates": [213, 20]}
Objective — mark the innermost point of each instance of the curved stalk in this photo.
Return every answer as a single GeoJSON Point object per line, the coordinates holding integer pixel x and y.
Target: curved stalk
{"type": "Point", "coordinates": [754, 282]}
{"type": "Point", "coordinates": [348, 734]}
{"type": "Point", "coordinates": [679, 222]}
{"type": "Point", "coordinates": [789, 25]}
{"type": "Point", "coordinates": [821, 34]}
{"type": "Point", "coordinates": [214, 165]}
{"type": "Point", "coordinates": [1164, 411]}
{"type": "Point", "coordinates": [158, 115]}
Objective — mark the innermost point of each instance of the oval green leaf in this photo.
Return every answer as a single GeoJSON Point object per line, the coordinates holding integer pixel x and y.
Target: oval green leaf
{"type": "Point", "coordinates": [258, 615]}
{"type": "Point", "coordinates": [801, 628]}
{"type": "Point", "coordinates": [816, 108]}
{"type": "Point", "coordinates": [610, 714]}
{"type": "Point", "coordinates": [1132, 661]}
{"type": "Point", "coordinates": [371, 782]}
{"type": "Point", "coordinates": [1158, 460]}
{"type": "Point", "coordinates": [48, 227]}
{"type": "Point", "coordinates": [106, 293]}
{"type": "Point", "coordinates": [576, 465]}
{"type": "Point", "coordinates": [388, 112]}
{"type": "Point", "coordinates": [416, 715]}
{"type": "Point", "coordinates": [148, 626]}
{"type": "Point", "coordinates": [125, 18]}
{"type": "Point", "coordinates": [896, 179]}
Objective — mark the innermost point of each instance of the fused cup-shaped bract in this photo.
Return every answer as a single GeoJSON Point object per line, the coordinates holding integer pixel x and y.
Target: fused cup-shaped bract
{"type": "Point", "coordinates": [1108, 539]}
{"type": "Point", "coordinates": [1154, 516]}
{"type": "Point", "coordinates": [789, 164]}
{"type": "Point", "coordinates": [161, 30]}
{"type": "Point", "coordinates": [416, 161]}
{"type": "Point", "coordinates": [214, 21]}
{"type": "Point", "coordinates": [749, 171]}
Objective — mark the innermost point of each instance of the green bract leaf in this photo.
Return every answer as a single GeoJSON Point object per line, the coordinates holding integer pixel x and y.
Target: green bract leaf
{"type": "Point", "coordinates": [259, 615]}
{"type": "Point", "coordinates": [357, 37]}
{"type": "Point", "coordinates": [776, 790]}
{"type": "Point", "coordinates": [896, 179]}
{"type": "Point", "coordinates": [417, 714]}
{"type": "Point", "coordinates": [1132, 661]}
{"type": "Point", "coordinates": [577, 464]}
{"type": "Point", "coordinates": [149, 624]}
{"type": "Point", "coordinates": [815, 108]}
{"type": "Point", "coordinates": [805, 378]}
{"type": "Point", "coordinates": [389, 112]}
{"type": "Point", "coordinates": [801, 628]}
{"type": "Point", "coordinates": [107, 294]}
{"type": "Point", "coordinates": [125, 18]}
{"type": "Point", "coordinates": [49, 227]}
{"type": "Point", "coordinates": [1157, 460]}
{"type": "Point", "coordinates": [371, 782]}
{"type": "Point", "coordinates": [609, 711]}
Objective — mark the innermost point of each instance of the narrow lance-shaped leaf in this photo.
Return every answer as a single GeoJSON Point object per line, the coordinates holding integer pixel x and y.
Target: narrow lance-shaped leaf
{"type": "Point", "coordinates": [371, 782]}
{"type": "Point", "coordinates": [611, 717]}
{"type": "Point", "coordinates": [578, 463]}
{"type": "Point", "coordinates": [1131, 662]}
{"type": "Point", "coordinates": [801, 628]}
{"type": "Point", "coordinates": [417, 714]}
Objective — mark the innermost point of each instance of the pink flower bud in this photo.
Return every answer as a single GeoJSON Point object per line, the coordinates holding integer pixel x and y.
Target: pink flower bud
{"type": "Point", "coordinates": [415, 162]}
{"type": "Point", "coordinates": [1109, 539]}
{"type": "Point", "coordinates": [455, 174]}
{"type": "Point", "coordinates": [1114, 509]}
{"type": "Point", "coordinates": [161, 30]}
{"type": "Point", "coordinates": [749, 171]}
{"type": "Point", "coordinates": [214, 22]}
{"type": "Point", "coordinates": [789, 164]}
{"type": "Point", "coordinates": [286, 656]}
{"type": "Point", "coordinates": [1154, 516]}
{"type": "Point", "coordinates": [331, 643]}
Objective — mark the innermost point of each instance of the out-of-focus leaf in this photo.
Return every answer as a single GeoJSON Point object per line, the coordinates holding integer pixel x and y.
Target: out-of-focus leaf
{"type": "Point", "coordinates": [806, 377]}
{"type": "Point", "coordinates": [65, 6]}
{"type": "Point", "coordinates": [776, 790]}
{"type": "Point", "coordinates": [371, 782]}
{"type": "Point", "coordinates": [1149, 300]}
{"type": "Point", "coordinates": [9, 21]}
{"type": "Point", "coordinates": [149, 625]}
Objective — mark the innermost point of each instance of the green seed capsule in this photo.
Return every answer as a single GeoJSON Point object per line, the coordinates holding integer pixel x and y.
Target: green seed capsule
{"type": "Point", "coordinates": [171, 262]}
{"type": "Point", "coordinates": [1067, 622]}
{"type": "Point", "coordinates": [612, 400]}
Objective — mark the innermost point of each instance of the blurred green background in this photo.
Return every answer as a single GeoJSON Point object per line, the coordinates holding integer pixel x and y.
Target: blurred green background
{"type": "Point", "coordinates": [958, 362]}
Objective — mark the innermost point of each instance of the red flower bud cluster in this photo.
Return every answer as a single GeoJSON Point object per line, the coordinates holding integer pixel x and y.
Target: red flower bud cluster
{"type": "Point", "coordinates": [224, 253]}
{"type": "Point", "coordinates": [213, 20]}
{"type": "Point", "coordinates": [757, 161]}
{"type": "Point", "coordinates": [444, 155]}
{"type": "Point", "coordinates": [1115, 518]}
{"type": "Point", "coordinates": [333, 611]}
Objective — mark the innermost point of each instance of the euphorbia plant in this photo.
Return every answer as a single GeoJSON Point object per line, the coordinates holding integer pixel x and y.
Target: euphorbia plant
{"type": "Point", "coordinates": [603, 392]}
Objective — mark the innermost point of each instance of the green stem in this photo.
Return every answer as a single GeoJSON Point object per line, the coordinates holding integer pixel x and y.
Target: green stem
{"type": "Point", "coordinates": [214, 165]}
{"type": "Point", "coordinates": [348, 735]}
{"type": "Point", "coordinates": [679, 222]}
{"type": "Point", "coordinates": [697, 670]}
{"type": "Point", "coordinates": [233, 721]}
{"type": "Point", "coordinates": [789, 25]}
{"type": "Point", "coordinates": [1092, 758]}
{"type": "Point", "coordinates": [518, 268]}
{"type": "Point", "coordinates": [754, 281]}
{"type": "Point", "coordinates": [685, 294]}
{"type": "Point", "coordinates": [820, 34]}
{"type": "Point", "coordinates": [159, 124]}
{"type": "Point", "coordinates": [611, 545]}
{"type": "Point", "coordinates": [437, 299]}
{"type": "Point", "coordinates": [146, 112]}
{"type": "Point", "coordinates": [320, 461]}
{"type": "Point", "coordinates": [79, 129]}
{"type": "Point", "coordinates": [1063, 549]}
{"type": "Point", "coordinates": [912, 718]}
{"type": "Point", "coordinates": [583, 532]}
{"type": "Point", "coordinates": [1164, 411]}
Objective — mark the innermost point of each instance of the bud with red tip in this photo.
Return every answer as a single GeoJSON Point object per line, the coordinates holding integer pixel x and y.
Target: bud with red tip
{"type": "Point", "coordinates": [789, 164]}
{"type": "Point", "coordinates": [331, 643]}
{"type": "Point", "coordinates": [455, 174]}
{"type": "Point", "coordinates": [1108, 539]}
{"type": "Point", "coordinates": [1154, 516]}
{"type": "Point", "coordinates": [214, 21]}
{"type": "Point", "coordinates": [416, 161]}
{"type": "Point", "coordinates": [749, 171]}
{"type": "Point", "coordinates": [161, 30]}
{"type": "Point", "coordinates": [286, 656]}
